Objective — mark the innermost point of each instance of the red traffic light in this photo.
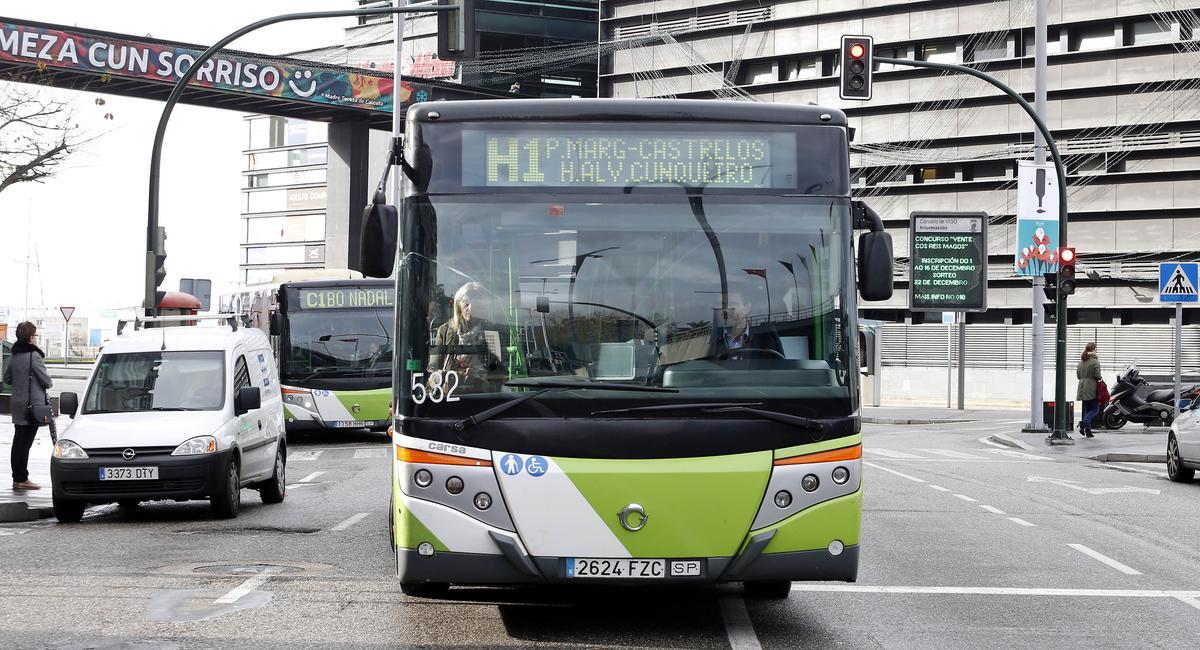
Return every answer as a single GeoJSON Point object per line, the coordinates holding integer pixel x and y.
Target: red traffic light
{"type": "Point", "coordinates": [1067, 256]}
{"type": "Point", "coordinates": [857, 51]}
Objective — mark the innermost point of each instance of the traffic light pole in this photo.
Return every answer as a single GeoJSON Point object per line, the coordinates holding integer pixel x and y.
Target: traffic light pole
{"type": "Point", "coordinates": [1059, 436]}
{"type": "Point", "coordinates": [149, 303]}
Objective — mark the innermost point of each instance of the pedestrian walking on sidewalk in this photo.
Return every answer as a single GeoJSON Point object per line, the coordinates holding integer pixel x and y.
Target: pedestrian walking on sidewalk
{"type": "Point", "coordinates": [1088, 372]}
{"type": "Point", "coordinates": [26, 373]}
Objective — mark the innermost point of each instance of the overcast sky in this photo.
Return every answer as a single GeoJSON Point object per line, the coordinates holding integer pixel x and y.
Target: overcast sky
{"type": "Point", "coordinates": [89, 221]}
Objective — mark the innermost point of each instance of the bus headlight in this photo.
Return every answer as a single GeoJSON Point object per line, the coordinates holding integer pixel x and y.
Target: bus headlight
{"type": "Point", "coordinates": [425, 549]}
{"type": "Point", "coordinates": [783, 499]}
{"type": "Point", "coordinates": [841, 475]}
{"type": "Point", "coordinates": [423, 478]}
{"type": "Point", "coordinates": [483, 500]}
{"type": "Point", "coordinates": [810, 483]}
{"type": "Point", "coordinates": [68, 449]}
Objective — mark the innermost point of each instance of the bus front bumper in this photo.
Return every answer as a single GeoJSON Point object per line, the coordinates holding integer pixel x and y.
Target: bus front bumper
{"type": "Point", "coordinates": [487, 569]}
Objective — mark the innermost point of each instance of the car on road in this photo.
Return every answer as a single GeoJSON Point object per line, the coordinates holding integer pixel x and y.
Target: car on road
{"type": "Point", "coordinates": [180, 413]}
{"type": "Point", "coordinates": [1183, 444]}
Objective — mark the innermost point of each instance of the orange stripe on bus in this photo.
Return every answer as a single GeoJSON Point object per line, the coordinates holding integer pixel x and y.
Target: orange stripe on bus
{"type": "Point", "coordinates": [417, 456]}
{"type": "Point", "coordinates": [845, 453]}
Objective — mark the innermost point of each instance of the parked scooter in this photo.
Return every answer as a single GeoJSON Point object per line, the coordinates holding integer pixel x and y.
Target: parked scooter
{"type": "Point", "coordinates": [1152, 409]}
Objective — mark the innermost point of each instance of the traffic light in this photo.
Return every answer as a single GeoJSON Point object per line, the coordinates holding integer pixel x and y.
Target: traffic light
{"type": "Point", "coordinates": [1066, 271]}
{"type": "Point", "coordinates": [160, 263]}
{"type": "Point", "coordinates": [857, 53]}
{"type": "Point", "coordinates": [456, 31]}
{"type": "Point", "coordinates": [1050, 288]}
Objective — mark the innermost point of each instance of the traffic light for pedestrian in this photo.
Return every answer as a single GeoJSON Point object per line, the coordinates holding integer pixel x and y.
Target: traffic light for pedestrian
{"type": "Point", "coordinates": [160, 263]}
{"type": "Point", "coordinates": [857, 53]}
{"type": "Point", "coordinates": [1066, 271]}
{"type": "Point", "coordinates": [1050, 288]}
{"type": "Point", "coordinates": [456, 31]}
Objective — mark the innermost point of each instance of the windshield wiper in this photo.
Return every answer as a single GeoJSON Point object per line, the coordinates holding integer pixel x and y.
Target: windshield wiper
{"type": "Point", "coordinates": [547, 386]}
{"type": "Point", "coordinates": [726, 407]}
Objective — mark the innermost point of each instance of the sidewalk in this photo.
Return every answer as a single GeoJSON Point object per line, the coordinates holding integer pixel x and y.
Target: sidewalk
{"type": "Point", "coordinates": [26, 505]}
{"type": "Point", "coordinates": [936, 415]}
{"type": "Point", "coordinates": [1131, 444]}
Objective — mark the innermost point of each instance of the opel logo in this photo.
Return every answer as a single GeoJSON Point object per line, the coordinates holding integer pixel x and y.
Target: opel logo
{"type": "Point", "coordinates": [633, 517]}
{"type": "Point", "coordinates": [356, 408]}
{"type": "Point", "coordinates": [128, 454]}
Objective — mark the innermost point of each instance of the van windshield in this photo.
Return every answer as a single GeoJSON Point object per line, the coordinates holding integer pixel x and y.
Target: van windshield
{"type": "Point", "coordinates": [157, 381]}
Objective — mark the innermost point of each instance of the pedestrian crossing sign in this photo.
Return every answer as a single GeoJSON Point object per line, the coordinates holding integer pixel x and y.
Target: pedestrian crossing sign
{"type": "Point", "coordinates": [1177, 281]}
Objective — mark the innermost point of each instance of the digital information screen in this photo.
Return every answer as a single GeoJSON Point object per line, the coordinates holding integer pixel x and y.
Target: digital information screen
{"type": "Point", "coordinates": [568, 157]}
{"type": "Point", "coordinates": [948, 255]}
{"type": "Point", "coordinates": [346, 298]}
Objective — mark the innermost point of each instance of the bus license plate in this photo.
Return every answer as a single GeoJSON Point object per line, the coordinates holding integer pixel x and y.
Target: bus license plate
{"type": "Point", "coordinates": [621, 568]}
{"type": "Point", "coordinates": [349, 424]}
{"type": "Point", "coordinates": [128, 473]}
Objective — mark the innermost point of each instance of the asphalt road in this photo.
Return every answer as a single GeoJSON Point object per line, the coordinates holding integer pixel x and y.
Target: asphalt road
{"type": "Point", "coordinates": [965, 545]}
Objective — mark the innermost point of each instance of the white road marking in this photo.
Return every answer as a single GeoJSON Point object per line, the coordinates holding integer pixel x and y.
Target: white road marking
{"type": "Point", "coordinates": [1132, 467]}
{"type": "Point", "coordinates": [992, 509]}
{"type": "Point", "coordinates": [370, 453]}
{"type": "Point", "coordinates": [889, 453]}
{"type": "Point", "coordinates": [892, 471]}
{"type": "Point", "coordinates": [738, 627]}
{"type": "Point", "coordinates": [1096, 555]}
{"type": "Point", "coordinates": [249, 585]}
{"type": "Point", "coordinates": [1191, 600]}
{"type": "Point", "coordinates": [964, 498]}
{"type": "Point", "coordinates": [1018, 454]}
{"type": "Point", "coordinates": [994, 591]}
{"type": "Point", "coordinates": [939, 488]}
{"type": "Point", "coordinates": [311, 477]}
{"type": "Point", "coordinates": [350, 521]}
{"type": "Point", "coordinates": [1074, 485]}
{"type": "Point", "coordinates": [297, 456]}
{"type": "Point", "coordinates": [1021, 522]}
{"type": "Point", "coordinates": [950, 453]}
{"type": "Point", "coordinates": [13, 531]}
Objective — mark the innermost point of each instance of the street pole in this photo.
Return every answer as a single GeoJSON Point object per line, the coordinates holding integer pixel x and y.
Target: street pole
{"type": "Point", "coordinates": [950, 361]}
{"type": "Point", "coordinates": [1038, 363]}
{"type": "Point", "coordinates": [962, 360]}
{"type": "Point", "coordinates": [148, 302]}
{"type": "Point", "coordinates": [398, 115]}
{"type": "Point", "coordinates": [1178, 351]}
{"type": "Point", "coordinates": [1059, 436]}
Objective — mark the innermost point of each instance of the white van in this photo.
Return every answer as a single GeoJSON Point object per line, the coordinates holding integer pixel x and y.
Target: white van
{"type": "Point", "coordinates": [174, 413]}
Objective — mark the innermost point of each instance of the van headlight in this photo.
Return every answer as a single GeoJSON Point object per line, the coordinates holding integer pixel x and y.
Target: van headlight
{"type": "Point", "coordinates": [68, 449]}
{"type": "Point", "coordinates": [197, 445]}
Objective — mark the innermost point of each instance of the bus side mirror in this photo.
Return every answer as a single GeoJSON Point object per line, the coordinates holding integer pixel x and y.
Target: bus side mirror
{"type": "Point", "coordinates": [380, 232]}
{"type": "Point", "coordinates": [875, 265]}
{"type": "Point", "coordinates": [274, 323]}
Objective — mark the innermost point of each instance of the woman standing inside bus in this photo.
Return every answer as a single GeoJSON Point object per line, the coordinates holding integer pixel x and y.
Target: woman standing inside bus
{"type": "Point", "coordinates": [26, 373]}
{"type": "Point", "coordinates": [463, 330]}
{"type": "Point", "coordinates": [1088, 372]}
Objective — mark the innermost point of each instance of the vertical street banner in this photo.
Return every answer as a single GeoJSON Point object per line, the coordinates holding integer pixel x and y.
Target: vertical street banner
{"type": "Point", "coordinates": [948, 260]}
{"type": "Point", "coordinates": [1037, 220]}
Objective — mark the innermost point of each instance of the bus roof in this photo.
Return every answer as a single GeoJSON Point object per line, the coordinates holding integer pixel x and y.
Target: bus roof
{"type": "Point", "coordinates": [700, 110]}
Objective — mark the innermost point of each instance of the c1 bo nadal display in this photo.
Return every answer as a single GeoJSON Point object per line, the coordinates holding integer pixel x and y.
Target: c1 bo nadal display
{"type": "Point", "coordinates": [948, 257]}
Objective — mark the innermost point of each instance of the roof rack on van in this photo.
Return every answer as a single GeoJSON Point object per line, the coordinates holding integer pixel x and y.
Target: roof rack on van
{"type": "Point", "coordinates": [140, 321]}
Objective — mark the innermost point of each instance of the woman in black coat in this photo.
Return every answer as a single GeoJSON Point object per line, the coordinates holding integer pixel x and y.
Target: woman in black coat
{"type": "Point", "coordinates": [26, 373]}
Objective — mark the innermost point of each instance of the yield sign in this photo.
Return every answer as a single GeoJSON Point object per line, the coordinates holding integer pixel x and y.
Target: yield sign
{"type": "Point", "coordinates": [66, 312]}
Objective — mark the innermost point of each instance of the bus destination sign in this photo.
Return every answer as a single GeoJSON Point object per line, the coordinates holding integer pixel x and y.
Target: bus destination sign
{"type": "Point", "coordinates": [345, 298]}
{"type": "Point", "coordinates": [659, 158]}
{"type": "Point", "coordinates": [948, 258]}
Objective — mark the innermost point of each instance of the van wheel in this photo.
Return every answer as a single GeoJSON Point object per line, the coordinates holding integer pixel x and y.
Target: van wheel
{"type": "Point", "coordinates": [425, 589]}
{"type": "Point", "coordinates": [68, 512]}
{"type": "Point", "coordinates": [773, 589]}
{"type": "Point", "coordinates": [226, 500]}
{"type": "Point", "coordinates": [1175, 469]}
{"type": "Point", "coordinates": [274, 489]}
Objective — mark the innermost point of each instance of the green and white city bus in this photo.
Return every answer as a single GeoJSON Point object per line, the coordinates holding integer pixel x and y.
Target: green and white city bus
{"type": "Point", "coordinates": [333, 341]}
{"type": "Point", "coordinates": [627, 344]}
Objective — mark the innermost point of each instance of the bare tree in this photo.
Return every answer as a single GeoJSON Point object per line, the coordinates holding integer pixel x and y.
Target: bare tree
{"type": "Point", "coordinates": [37, 133]}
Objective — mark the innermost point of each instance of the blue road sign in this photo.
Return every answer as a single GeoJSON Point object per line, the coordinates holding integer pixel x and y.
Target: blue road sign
{"type": "Point", "coordinates": [1177, 281]}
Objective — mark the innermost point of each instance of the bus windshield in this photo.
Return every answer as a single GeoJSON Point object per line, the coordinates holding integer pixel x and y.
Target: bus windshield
{"type": "Point", "coordinates": [725, 297]}
{"type": "Point", "coordinates": [337, 332]}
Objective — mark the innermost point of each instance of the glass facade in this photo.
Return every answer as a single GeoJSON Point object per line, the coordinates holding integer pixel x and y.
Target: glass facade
{"type": "Point", "coordinates": [283, 196]}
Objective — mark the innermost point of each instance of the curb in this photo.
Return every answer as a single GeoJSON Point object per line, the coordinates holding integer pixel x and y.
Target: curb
{"type": "Point", "coordinates": [21, 511]}
{"type": "Point", "coordinates": [1131, 458]}
{"type": "Point", "coordinates": [1001, 439]}
{"type": "Point", "coordinates": [871, 420]}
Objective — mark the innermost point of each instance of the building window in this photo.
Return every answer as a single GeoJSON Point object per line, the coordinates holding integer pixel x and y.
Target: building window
{"type": "Point", "coordinates": [803, 68]}
{"type": "Point", "coordinates": [275, 179]}
{"type": "Point", "coordinates": [888, 53]}
{"type": "Point", "coordinates": [289, 158]}
{"type": "Point", "coordinates": [1092, 38]}
{"type": "Point", "coordinates": [1149, 32]}
{"type": "Point", "coordinates": [760, 73]}
{"type": "Point", "coordinates": [295, 228]}
{"type": "Point", "coordinates": [986, 171]}
{"type": "Point", "coordinates": [265, 132]}
{"type": "Point", "coordinates": [283, 200]}
{"type": "Point", "coordinates": [932, 173]}
{"type": "Point", "coordinates": [285, 254]}
{"type": "Point", "coordinates": [939, 52]}
{"type": "Point", "coordinates": [990, 47]}
{"type": "Point", "coordinates": [1053, 43]}
{"type": "Point", "coordinates": [887, 175]}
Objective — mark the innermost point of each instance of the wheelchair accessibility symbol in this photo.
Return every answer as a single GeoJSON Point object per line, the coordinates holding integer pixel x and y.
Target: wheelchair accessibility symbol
{"type": "Point", "coordinates": [536, 466]}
